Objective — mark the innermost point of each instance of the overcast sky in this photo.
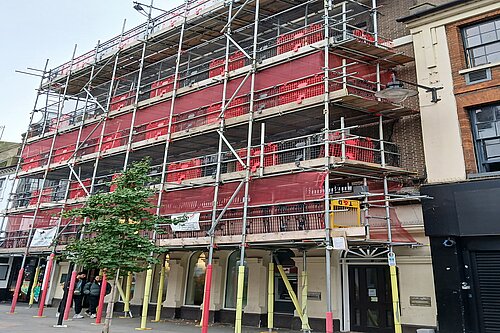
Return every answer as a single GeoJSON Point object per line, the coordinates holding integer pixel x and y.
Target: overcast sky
{"type": "Point", "coordinates": [33, 31]}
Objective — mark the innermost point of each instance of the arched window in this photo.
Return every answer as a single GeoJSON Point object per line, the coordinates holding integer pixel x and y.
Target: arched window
{"type": "Point", "coordinates": [232, 282]}
{"type": "Point", "coordinates": [196, 279]}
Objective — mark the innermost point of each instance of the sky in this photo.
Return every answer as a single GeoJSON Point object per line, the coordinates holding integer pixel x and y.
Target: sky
{"type": "Point", "coordinates": [32, 31]}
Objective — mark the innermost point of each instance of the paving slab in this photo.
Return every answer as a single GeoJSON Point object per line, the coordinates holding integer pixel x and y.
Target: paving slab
{"type": "Point", "coordinates": [23, 321]}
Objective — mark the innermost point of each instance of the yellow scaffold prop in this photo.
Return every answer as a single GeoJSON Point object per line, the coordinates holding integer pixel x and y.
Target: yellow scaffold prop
{"type": "Point", "coordinates": [270, 297]}
{"type": "Point", "coordinates": [295, 301]}
{"type": "Point", "coordinates": [126, 296]}
{"type": "Point", "coordinates": [239, 298]}
{"type": "Point", "coordinates": [145, 301]}
{"type": "Point", "coordinates": [159, 300]}
{"type": "Point", "coordinates": [395, 293]}
{"type": "Point", "coordinates": [35, 284]}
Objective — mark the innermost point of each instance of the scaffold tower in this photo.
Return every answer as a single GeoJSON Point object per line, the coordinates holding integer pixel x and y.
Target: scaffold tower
{"type": "Point", "coordinates": [259, 118]}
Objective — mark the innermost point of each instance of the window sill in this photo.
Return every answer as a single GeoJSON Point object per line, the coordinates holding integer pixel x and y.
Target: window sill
{"type": "Point", "coordinates": [477, 68]}
{"type": "Point", "coordinates": [483, 175]}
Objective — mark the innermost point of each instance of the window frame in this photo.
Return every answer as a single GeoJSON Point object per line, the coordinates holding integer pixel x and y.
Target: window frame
{"type": "Point", "coordinates": [482, 160]}
{"type": "Point", "coordinates": [468, 50]}
{"type": "Point", "coordinates": [189, 277]}
{"type": "Point", "coordinates": [226, 284]}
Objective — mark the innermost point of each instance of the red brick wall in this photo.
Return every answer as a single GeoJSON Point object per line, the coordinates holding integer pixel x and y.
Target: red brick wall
{"type": "Point", "coordinates": [469, 95]}
{"type": "Point", "coordinates": [407, 131]}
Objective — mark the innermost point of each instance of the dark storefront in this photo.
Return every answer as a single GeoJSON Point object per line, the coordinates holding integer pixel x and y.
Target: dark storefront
{"type": "Point", "coordinates": [463, 223]}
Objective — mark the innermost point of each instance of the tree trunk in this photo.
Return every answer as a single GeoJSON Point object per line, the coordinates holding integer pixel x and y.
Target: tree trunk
{"type": "Point", "coordinates": [111, 305]}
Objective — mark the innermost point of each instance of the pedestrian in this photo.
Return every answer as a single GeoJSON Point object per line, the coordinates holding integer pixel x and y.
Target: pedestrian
{"type": "Point", "coordinates": [77, 295]}
{"type": "Point", "coordinates": [93, 291]}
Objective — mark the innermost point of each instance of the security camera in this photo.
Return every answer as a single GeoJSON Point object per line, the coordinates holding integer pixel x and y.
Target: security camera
{"type": "Point", "coordinates": [449, 242]}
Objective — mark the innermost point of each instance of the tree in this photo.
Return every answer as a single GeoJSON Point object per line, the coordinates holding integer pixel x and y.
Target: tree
{"type": "Point", "coordinates": [117, 237]}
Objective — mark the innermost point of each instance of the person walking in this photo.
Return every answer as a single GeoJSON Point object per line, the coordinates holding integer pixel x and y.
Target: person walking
{"type": "Point", "coordinates": [93, 291]}
{"type": "Point", "coordinates": [77, 295]}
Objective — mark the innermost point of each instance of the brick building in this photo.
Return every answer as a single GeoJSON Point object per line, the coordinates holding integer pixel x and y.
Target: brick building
{"type": "Point", "coordinates": [457, 46]}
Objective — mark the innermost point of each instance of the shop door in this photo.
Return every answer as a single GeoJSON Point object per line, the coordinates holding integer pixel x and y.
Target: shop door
{"type": "Point", "coordinates": [370, 300]}
{"type": "Point", "coordinates": [487, 289]}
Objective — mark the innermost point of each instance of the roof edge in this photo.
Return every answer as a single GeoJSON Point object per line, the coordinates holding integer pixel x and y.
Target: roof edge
{"type": "Point", "coordinates": [432, 10]}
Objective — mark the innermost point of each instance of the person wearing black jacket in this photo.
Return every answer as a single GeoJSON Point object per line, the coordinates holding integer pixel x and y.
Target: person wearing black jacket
{"type": "Point", "coordinates": [93, 291]}
{"type": "Point", "coordinates": [77, 295]}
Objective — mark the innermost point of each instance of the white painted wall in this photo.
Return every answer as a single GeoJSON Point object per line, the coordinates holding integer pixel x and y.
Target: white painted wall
{"type": "Point", "coordinates": [440, 127]}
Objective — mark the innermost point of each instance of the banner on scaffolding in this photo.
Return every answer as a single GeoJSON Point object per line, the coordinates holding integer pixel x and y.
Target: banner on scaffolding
{"type": "Point", "coordinates": [190, 222]}
{"type": "Point", "coordinates": [43, 237]}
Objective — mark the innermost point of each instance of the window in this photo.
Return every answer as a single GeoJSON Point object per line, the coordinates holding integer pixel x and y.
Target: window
{"type": "Point", "coordinates": [482, 43]}
{"type": "Point", "coordinates": [196, 279]}
{"type": "Point", "coordinates": [486, 130]}
{"type": "Point", "coordinates": [232, 281]}
{"type": "Point", "coordinates": [4, 269]}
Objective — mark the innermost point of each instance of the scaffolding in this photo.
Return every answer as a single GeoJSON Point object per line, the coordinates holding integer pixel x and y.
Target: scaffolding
{"type": "Point", "coordinates": [256, 114]}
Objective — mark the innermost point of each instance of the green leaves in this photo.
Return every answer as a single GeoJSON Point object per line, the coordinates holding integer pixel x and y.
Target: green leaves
{"type": "Point", "coordinates": [120, 226]}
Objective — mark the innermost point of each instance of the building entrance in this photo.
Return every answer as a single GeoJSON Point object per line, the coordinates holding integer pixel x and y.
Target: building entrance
{"type": "Point", "coordinates": [370, 299]}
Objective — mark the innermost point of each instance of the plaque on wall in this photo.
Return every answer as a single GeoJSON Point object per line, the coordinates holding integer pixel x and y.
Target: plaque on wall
{"type": "Point", "coordinates": [314, 295]}
{"type": "Point", "coordinates": [420, 301]}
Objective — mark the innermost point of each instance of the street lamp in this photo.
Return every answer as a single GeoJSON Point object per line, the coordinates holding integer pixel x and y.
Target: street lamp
{"type": "Point", "coordinates": [397, 93]}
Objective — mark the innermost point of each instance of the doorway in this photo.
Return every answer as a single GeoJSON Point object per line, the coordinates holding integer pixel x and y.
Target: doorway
{"type": "Point", "coordinates": [282, 301]}
{"type": "Point", "coordinates": [370, 298]}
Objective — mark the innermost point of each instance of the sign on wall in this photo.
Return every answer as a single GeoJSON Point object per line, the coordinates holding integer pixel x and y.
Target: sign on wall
{"type": "Point", "coordinates": [192, 222]}
{"type": "Point", "coordinates": [43, 237]}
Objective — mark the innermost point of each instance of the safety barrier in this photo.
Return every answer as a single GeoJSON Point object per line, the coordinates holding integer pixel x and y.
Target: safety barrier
{"type": "Point", "coordinates": [294, 40]}
{"type": "Point", "coordinates": [76, 191]}
{"type": "Point", "coordinates": [236, 60]}
{"type": "Point", "coordinates": [298, 90]}
{"type": "Point", "coordinates": [121, 101]}
{"type": "Point", "coordinates": [179, 171]}
{"type": "Point", "coordinates": [270, 157]}
{"type": "Point", "coordinates": [161, 87]}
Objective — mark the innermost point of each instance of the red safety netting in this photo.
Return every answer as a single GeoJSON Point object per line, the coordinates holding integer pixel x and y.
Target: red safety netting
{"type": "Point", "coordinates": [44, 218]}
{"type": "Point", "coordinates": [35, 154]}
{"type": "Point", "coordinates": [116, 132]}
{"type": "Point", "coordinates": [280, 189]}
{"type": "Point", "coordinates": [152, 122]}
{"type": "Point", "coordinates": [92, 134]}
{"type": "Point", "coordinates": [64, 146]}
{"type": "Point", "coordinates": [379, 229]}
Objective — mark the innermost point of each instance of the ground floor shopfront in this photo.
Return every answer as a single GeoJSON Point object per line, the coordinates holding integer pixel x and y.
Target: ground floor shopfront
{"type": "Point", "coordinates": [361, 291]}
{"type": "Point", "coordinates": [462, 225]}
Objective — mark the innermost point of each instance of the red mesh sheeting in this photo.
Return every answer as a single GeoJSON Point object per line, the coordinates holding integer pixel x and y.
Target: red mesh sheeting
{"type": "Point", "coordinates": [378, 227]}
{"type": "Point", "coordinates": [35, 154]}
{"type": "Point", "coordinates": [92, 143]}
{"type": "Point", "coordinates": [278, 74]}
{"type": "Point", "coordinates": [64, 146]}
{"type": "Point", "coordinates": [280, 189]}
{"type": "Point", "coordinates": [116, 131]}
{"type": "Point", "coordinates": [45, 218]}
{"type": "Point", "coordinates": [151, 122]}
{"type": "Point", "coordinates": [378, 187]}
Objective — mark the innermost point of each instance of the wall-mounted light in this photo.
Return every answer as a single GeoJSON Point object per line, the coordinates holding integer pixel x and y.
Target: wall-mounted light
{"type": "Point", "coordinates": [397, 93]}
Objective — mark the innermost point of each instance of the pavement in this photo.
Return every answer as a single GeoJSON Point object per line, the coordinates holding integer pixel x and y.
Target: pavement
{"type": "Point", "coordinates": [22, 321]}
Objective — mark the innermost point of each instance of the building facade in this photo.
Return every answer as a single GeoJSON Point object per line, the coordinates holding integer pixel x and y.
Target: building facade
{"type": "Point", "coordinates": [9, 153]}
{"type": "Point", "coordinates": [261, 122]}
{"type": "Point", "coordinates": [457, 47]}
